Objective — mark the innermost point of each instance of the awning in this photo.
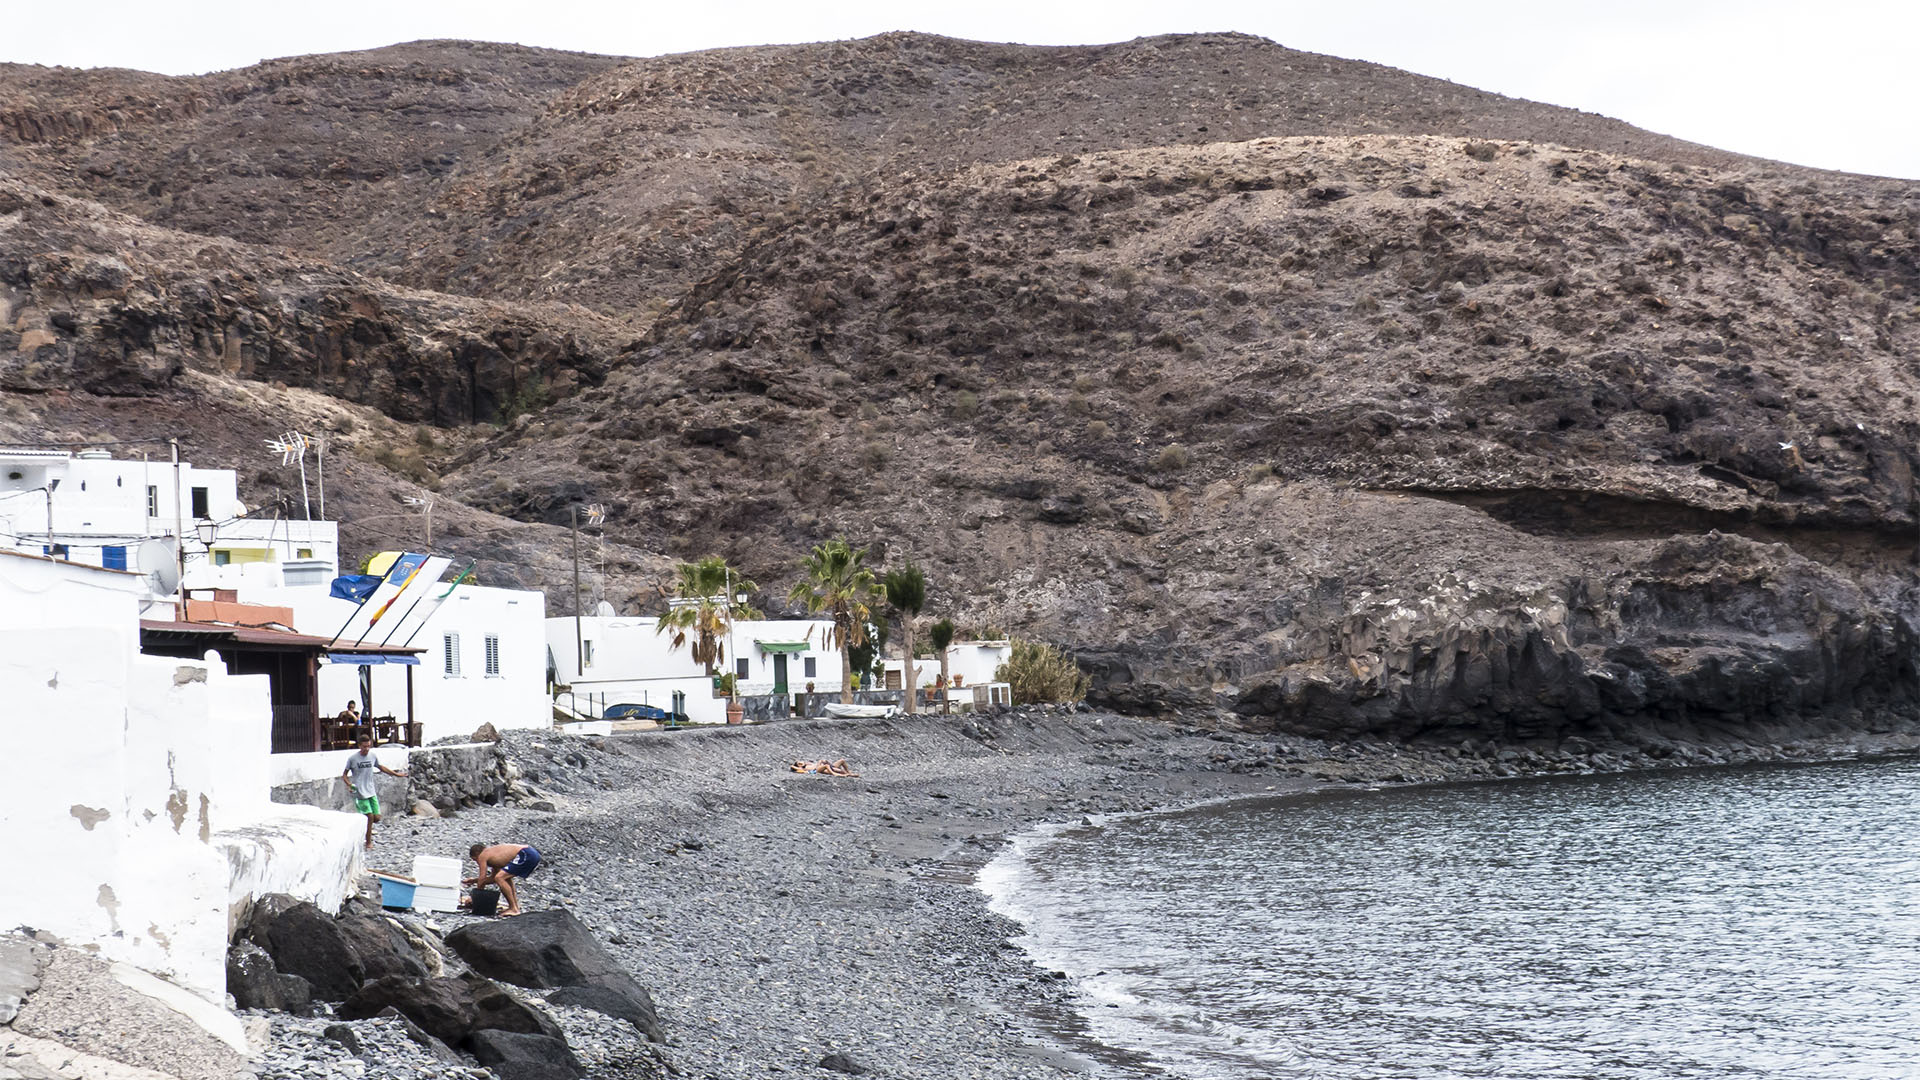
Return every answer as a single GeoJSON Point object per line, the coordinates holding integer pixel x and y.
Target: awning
{"type": "Point", "coordinates": [782, 646]}
{"type": "Point", "coordinates": [371, 658]}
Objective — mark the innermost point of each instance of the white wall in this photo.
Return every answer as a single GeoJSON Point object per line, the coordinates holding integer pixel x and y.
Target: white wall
{"type": "Point", "coordinates": [974, 661]}
{"type": "Point", "coordinates": [634, 664]}
{"type": "Point", "coordinates": [136, 806]}
{"type": "Point", "coordinates": [446, 704]}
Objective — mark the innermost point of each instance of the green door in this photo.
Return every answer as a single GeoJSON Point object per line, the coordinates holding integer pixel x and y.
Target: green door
{"type": "Point", "coordinates": [779, 673]}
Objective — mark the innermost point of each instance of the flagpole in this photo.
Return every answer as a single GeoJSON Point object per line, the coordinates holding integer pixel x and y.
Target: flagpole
{"type": "Point", "coordinates": [443, 597]}
{"type": "Point", "coordinates": [355, 614]}
{"type": "Point", "coordinates": [402, 622]}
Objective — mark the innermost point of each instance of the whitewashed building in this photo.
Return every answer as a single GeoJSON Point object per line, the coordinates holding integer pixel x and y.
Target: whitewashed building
{"type": "Point", "coordinates": [90, 507]}
{"type": "Point", "coordinates": [973, 664]}
{"type": "Point", "coordinates": [485, 658]}
{"type": "Point", "coordinates": [137, 809]}
{"type": "Point", "coordinates": [623, 660]}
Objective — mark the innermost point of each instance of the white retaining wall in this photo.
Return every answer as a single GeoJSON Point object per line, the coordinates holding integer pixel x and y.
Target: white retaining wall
{"type": "Point", "coordinates": [135, 803]}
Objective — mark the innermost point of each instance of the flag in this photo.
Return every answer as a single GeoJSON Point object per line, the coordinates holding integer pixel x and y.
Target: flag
{"type": "Point", "coordinates": [355, 587]}
{"type": "Point", "coordinates": [405, 569]}
{"type": "Point", "coordinates": [437, 601]}
{"type": "Point", "coordinates": [463, 577]}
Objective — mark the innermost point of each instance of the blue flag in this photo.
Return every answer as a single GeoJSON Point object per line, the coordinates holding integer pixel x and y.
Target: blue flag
{"type": "Point", "coordinates": [404, 566]}
{"type": "Point", "coordinates": [355, 587]}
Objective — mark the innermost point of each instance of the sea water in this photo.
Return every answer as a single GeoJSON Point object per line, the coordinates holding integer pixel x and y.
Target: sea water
{"type": "Point", "coordinates": [1760, 922]}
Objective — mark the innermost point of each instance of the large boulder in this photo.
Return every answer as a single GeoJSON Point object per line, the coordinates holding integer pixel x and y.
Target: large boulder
{"type": "Point", "coordinates": [335, 954]}
{"type": "Point", "coordinates": [515, 1056]}
{"type": "Point", "coordinates": [255, 983]}
{"type": "Point", "coordinates": [549, 949]}
{"type": "Point", "coordinates": [451, 1009]}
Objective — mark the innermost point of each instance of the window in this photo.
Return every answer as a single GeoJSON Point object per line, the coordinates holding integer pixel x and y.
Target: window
{"type": "Point", "coordinates": [740, 668]}
{"type": "Point", "coordinates": [450, 655]}
{"type": "Point", "coordinates": [587, 652]}
{"type": "Point", "coordinates": [306, 553]}
{"type": "Point", "coordinates": [811, 665]}
{"type": "Point", "coordinates": [153, 501]}
{"type": "Point", "coordinates": [493, 655]}
{"type": "Point", "coordinates": [200, 503]}
{"type": "Point", "coordinates": [222, 557]}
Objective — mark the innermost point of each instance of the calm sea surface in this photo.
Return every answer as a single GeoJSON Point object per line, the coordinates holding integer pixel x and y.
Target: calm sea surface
{"type": "Point", "coordinates": [1718, 923]}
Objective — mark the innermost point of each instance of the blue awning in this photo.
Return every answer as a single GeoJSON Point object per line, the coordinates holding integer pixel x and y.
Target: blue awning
{"type": "Point", "coordinates": [368, 659]}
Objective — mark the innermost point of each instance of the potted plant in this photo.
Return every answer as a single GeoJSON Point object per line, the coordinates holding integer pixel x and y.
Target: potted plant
{"type": "Point", "coordinates": [736, 712]}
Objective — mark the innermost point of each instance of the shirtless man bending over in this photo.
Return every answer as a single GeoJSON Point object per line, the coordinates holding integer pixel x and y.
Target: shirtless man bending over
{"type": "Point", "coordinates": [500, 864]}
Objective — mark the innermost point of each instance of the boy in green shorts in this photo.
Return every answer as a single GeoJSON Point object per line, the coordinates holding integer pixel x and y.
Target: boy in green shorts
{"type": "Point", "coordinates": [359, 776]}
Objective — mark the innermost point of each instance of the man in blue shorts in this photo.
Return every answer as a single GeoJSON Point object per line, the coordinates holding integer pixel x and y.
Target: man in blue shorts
{"type": "Point", "coordinates": [500, 864]}
{"type": "Point", "coordinates": [359, 776]}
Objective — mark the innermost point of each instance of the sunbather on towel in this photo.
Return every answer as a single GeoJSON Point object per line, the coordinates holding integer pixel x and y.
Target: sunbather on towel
{"type": "Point", "coordinates": [824, 767]}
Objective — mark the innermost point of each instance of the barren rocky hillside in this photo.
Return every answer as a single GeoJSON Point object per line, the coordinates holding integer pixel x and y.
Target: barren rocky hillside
{"type": "Point", "coordinates": [1357, 400]}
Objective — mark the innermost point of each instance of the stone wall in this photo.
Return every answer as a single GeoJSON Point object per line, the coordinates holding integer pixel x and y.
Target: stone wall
{"type": "Point", "coordinates": [448, 777]}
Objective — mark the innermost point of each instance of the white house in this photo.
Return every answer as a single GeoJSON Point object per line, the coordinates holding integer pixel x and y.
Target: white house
{"type": "Point", "coordinates": [92, 508]}
{"type": "Point", "coordinates": [485, 659]}
{"type": "Point", "coordinates": [972, 664]}
{"type": "Point", "coordinates": [137, 807]}
{"type": "Point", "coordinates": [622, 660]}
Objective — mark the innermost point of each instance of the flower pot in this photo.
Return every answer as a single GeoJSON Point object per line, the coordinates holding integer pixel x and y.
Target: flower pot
{"type": "Point", "coordinates": [736, 712]}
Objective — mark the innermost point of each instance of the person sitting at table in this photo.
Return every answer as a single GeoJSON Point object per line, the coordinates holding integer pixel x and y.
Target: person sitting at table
{"type": "Point", "coordinates": [351, 717]}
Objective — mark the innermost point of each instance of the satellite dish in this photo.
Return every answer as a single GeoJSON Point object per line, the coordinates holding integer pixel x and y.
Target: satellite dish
{"type": "Point", "coordinates": [162, 565]}
{"type": "Point", "coordinates": [604, 610]}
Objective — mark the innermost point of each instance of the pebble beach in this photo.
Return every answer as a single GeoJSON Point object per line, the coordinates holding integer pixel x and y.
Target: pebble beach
{"type": "Point", "coordinates": [782, 920]}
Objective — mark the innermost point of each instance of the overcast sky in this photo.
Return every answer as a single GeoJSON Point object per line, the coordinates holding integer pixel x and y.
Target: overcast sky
{"type": "Point", "coordinates": [1832, 84]}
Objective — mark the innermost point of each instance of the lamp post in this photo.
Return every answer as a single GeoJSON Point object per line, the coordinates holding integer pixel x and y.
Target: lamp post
{"type": "Point", "coordinates": [52, 485]}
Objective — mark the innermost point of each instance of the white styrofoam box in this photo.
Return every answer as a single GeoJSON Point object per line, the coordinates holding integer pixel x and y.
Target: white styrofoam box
{"type": "Point", "coordinates": [434, 898]}
{"type": "Point", "coordinates": [437, 871]}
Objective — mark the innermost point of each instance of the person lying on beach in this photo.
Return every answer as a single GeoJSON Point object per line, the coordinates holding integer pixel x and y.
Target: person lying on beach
{"type": "Point", "coordinates": [500, 864]}
{"type": "Point", "coordinates": [824, 767]}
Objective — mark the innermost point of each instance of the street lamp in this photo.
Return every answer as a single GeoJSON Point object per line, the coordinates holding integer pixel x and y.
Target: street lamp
{"type": "Point", "coordinates": [207, 531]}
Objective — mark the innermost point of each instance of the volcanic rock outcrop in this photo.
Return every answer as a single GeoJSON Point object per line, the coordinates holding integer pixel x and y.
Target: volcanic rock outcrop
{"type": "Point", "coordinates": [1355, 401]}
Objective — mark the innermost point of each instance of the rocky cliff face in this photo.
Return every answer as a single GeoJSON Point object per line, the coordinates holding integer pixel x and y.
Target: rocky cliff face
{"type": "Point", "coordinates": [1357, 402]}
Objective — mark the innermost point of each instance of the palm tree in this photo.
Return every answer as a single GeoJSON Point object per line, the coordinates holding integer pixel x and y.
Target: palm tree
{"type": "Point", "coordinates": [907, 593]}
{"type": "Point", "coordinates": [940, 635]}
{"type": "Point", "coordinates": [707, 608]}
{"type": "Point", "coordinates": [833, 581]}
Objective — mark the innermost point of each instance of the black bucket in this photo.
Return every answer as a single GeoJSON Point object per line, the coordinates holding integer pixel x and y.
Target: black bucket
{"type": "Point", "coordinates": [486, 901]}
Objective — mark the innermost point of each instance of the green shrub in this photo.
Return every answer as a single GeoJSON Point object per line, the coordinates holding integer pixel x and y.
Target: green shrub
{"type": "Point", "coordinates": [1038, 672]}
{"type": "Point", "coordinates": [1098, 429]}
{"type": "Point", "coordinates": [965, 404]}
{"type": "Point", "coordinates": [1259, 473]}
{"type": "Point", "coordinates": [1173, 457]}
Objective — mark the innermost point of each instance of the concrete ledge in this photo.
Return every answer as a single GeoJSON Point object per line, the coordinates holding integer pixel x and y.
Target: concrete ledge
{"type": "Point", "coordinates": [302, 851]}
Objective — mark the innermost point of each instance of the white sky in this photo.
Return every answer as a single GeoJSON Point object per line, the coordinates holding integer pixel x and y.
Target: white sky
{"type": "Point", "coordinates": [1834, 84]}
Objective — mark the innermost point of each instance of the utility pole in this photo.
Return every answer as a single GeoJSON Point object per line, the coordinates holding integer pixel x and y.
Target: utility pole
{"type": "Point", "coordinates": [320, 461]}
{"type": "Point", "coordinates": [579, 641]}
{"type": "Point", "coordinates": [179, 527]}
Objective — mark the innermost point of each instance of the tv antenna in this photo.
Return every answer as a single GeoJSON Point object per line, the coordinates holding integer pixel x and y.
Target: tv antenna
{"type": "Point", "coordinates": [425, 503]}
{"type": "Point", "coordinates": [292, 448]}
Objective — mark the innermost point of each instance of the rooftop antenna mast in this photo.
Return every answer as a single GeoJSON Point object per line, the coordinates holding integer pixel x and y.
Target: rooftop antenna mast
{"type": "Point", "coordinates": [596, 514]}
{"type": "Point", "coordinates": [292, 448]}
{"type": "Point", "coordinates": [425, 503]}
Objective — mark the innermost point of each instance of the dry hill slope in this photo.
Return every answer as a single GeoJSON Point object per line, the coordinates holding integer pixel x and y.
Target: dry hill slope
{"type": "Point", "coordinates": [1444, 410]}
{"type": "Point", "coordinates": [1198, 409]}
